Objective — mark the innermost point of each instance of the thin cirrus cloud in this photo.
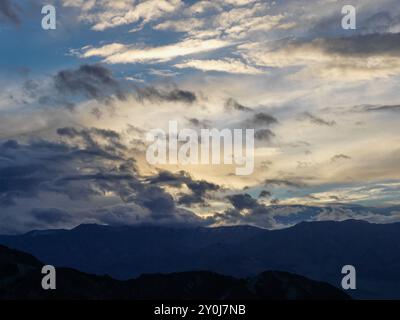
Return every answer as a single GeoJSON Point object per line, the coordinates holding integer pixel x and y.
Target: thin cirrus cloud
{"type": "Point", "coordinates": [119, 53]}
{"type": "Point", "coordinates": [226, 65]}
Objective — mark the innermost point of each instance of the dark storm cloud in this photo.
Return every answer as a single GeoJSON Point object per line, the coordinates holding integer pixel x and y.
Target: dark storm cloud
{"type": "Point", "coordinates": [202, 186]}
{"type": "Point", "coordinates": [181, 95]}
{"type": "Point", "coordinates": [203, 124]}
{"type": "Point", "coordinates": [95, 177]}
{"type": "Point", "coordinates": [86, 133]}
{"type": "Point", "coordinates": [243, 201]}
{"type": "Point", "coordinates": [19, 181]}
{"type": "Point", "coordinates": [70, 87]}
{"type": "Point", "coordinates": [93, 167]}
{"type": "Point", "coordinates": [87, 166]}
{"type": "Point", "coordinates": [9, 11]}
{"type": "Point", "coordinates": [372, 108]}
{"type": "Point", "coordinates": [174, 95]}
{"type": "Point", "coordinates": [170, 178]}
{"type": "Point", "coordinates": [361, 45]}
{"type": "Point", "coordinates": [190, 199]}
{"type": "Point", "coordinates": [261, 119]}
{"type": "Point", "coordinates": [160, 203]}
{"type": "Point", "coordinates": [317, 120]}
{"type": "Point", "coordinates": [261, 122]}
{"type": "Point", "coordinates": [92, 81]}
{"type": "Point", "coordinates": [90, 137]}
{"type": "Point", "coordinates": [339, 157]}
{"type": "Point", "coordinates": [199, 188]}
{"type": "Point", "coordinates": [162, 206]}
{"type": "Point", "coordinates": [256, 214]}
{"type": "Point", "coordinates": [264, 134]}
{"type": "Point", "coordinates": [232, 104]}
{"type": "Point", "coordinates": [265, 194]}
{"type": "Point", "coordinates": [230, 216]}
{"type": "Point", "coordinates": [178, 179]}
{"type": "Point", "coordinates": [39, 166]}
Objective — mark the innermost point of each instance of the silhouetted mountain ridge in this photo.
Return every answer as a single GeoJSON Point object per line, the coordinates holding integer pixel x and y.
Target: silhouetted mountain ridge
{"type": "Point", "coordinates": [20, 278]}
{"type": "Point", "coordinates": [317, 250]}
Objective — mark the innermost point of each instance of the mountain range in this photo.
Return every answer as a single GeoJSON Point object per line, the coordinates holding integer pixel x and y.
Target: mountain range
{"type": "Point", "coordinates": [316, 250]}
{"type": "Point", "coordinates": [20, 278]}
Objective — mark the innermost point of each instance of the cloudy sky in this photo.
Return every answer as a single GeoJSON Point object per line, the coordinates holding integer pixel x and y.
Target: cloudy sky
{"type": "Point", "coordinates": [77, 102]}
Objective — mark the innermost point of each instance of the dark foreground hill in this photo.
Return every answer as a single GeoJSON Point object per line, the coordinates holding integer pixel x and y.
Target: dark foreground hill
{"type": "Point", "coordinates": [20, 278]}
{"type": "Point", "coordinates": [317, 250]}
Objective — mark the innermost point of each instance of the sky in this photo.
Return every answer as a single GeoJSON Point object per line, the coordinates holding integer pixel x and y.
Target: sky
{"type": "Point", "coordinates": [76, 104]}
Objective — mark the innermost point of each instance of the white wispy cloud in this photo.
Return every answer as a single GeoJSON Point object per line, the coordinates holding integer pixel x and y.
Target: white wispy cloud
{"type": "Point", "coordinates": [184, 25]}
{"type": "Point", "coordinates": [119, 53]}
{"type": "Point", "coordinates": [105, 14]}
{"type": "Point", "coordinates": [227, 65]}
{"type": "Point", "coordinates": [227, 20]}
{"type": "Point", "coordinates": [326, 59]}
